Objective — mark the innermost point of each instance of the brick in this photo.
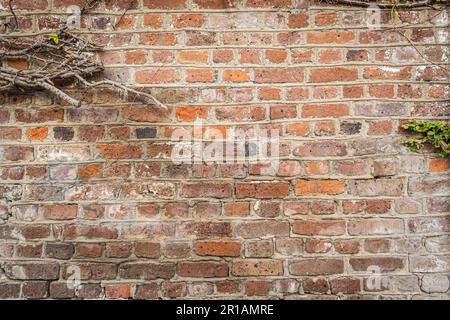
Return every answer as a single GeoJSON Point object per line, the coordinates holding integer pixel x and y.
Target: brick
{"type": "Point", "coordinates": [146, 271]}
{"type": "Point", "coordinates": [318, 246]}
{"type": "Point", "coordinates": [200, 75]}
{"type": "Point", "coordinates": [136, 57]}
{"type": "Point", "coordinates": [237, 209]}
{"type": "Point", "coordinates": [387, 73]}
{"type": "Point", "coordinates": [193, 56]}
{"type": "Point", "coordinates": [297, 20]}
{"type": "Point", "coordinates": [375, 227]}
{"type": "Point", "coordinates": [330, 37]}
{"type": "Point", "coordinates": [283, 111]}
{"type": "Point", "coordinates": [176, 250]}
{"type": "Point", "coordinates": [188, 20]}
{"type": "Point", "coordinates": [118, 291]}
{"type": "Point", "coordinates": [31, 270]}
{"type": "Point", "coordinates": [214, 4]}
{"type": "Point", "coordinates": [147, 250]}
{"type": "Point", "coordinates": [386, 264]}
{"type": "Point", "coordinates": [438, 165]}
{"type": "Point", "coordinates": [173, 289]}
{"type": "Point", "coordinates": [202, 269]}
{"type": "Point", "coordinates": [149, 76]}
{"type": "Point", "coordinates": [336, 74]}
{"type": "Point", "coordinates": [59, 212]}
{"type": "Point", "coordinates": [257, 267]}
{"type": "Point", "coordinates": [165, 4]}
{"type": "Point", "coordinates": [262, 228]}
{"type": "Point", "coordinates": [119, 151]}
{"type": "Point", "coordinates": [316, 285]}
{"type": "Point", "coordinates": [209, 190]}
{"type": "Point", "coordinates": [347, 246]}
{"type": "Point", "coordinates": [35, 289]}
{"type": "Point", "coordinates": [259, 249]}
{"type": "Point", "coordinates": [148, 291]}
{"type": "Point", "coordinates": [118, 250]}
{"type": "Point", "coordinates": [429, 224]}
{"type": "Point", "coordinates": [257, 288]}
{"type": "Point", "coordinates": [236, 75]}
{"type": "Point", "coordinates": [220, 249]}
{"type": "Point", "coordinates": [9, 290]}
{"type": "Point", "coordinates": [321, 149]}
{"type": "Point", "coordinates": [268, 3]}
{"type": "Point", "coordinates": [223, 56]}
{"type": "Point", "coordinates": [325, 19]}
{"type": "Point", "coordinates": [430, 264]}
{"type": "Point", "coordinates": [201, 230]}
{"type": "Point", "coordinates": [60, 290]}
{"type": "Point", "coordinates": [39, 115]}
{"type": "Point", "coordinates": [345, 285]}
{"type": "Point", "coordinates": [378, 187]}
{"type": "Point", "coordinates": [262, 190]}
{"type": "Point", "coordinates": [280, 75]}
{"type": "Point", "coordinates": [89, 232]}
{"type": "Point", "coordinates": [319, 228]}
{"type": "Point", "coordinates": [319, 187]}
{"type": "Point", "coordinates": [238, 114]}
{"type": "Point", "coordinates": [314, 267]}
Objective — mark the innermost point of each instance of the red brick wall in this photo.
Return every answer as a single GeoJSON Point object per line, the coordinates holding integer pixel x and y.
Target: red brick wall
{"type": "Point", "coordinates": [93, 191]}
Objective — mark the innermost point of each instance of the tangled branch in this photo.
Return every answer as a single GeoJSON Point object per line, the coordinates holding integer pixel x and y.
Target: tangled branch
{"type": "Point", "coordinates": [58, 59]}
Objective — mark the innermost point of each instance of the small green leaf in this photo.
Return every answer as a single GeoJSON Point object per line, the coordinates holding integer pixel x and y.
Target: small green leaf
{"type": "Point", "coordinates": [54, 38]}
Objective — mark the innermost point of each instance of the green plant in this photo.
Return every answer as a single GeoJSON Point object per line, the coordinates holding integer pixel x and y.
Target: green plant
{"type": "Point", "coordinates": [436, 134]}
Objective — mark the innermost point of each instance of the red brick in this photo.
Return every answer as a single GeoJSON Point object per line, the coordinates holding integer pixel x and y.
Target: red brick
{"type": "Point", "coordinates": [59, 211]}
{"type": "Point", "coordinates": [119, 151]}
{"type": "Point", "coordinates": [319, 228]}
{"type": "Point", "coordinates": [279, 75]}
{"type": "Point", "coordinates": [200, 75]}
{"type": "Point", "coordinates": [257, 267]}
{"type": "Point", "coordinates": [165, 4]}
{"type": "Point", "coordinates": [327, 37]}
{"type": "Point", "coordinates": [236, 76]}
{"type": "Point", "coordinates": [193, 56]}
{"type": "Point", "coordinates": [158, 39]}
{"type": "Point", "coordinates": [297, 20]}
{"type": "Point", "coordinates": [324, 110]}
{"type": "Point", "coordinates": [314, 267]}
{"type": "Point", "coordinates": [334, 74]}
{"type": "Point", "coordinates": [216, 248]}
{"type": "Point", "coordinates": [262, 190]}
{"type": "Point", "coordinates": [202, 269]}
{"type": "Point", "coordinates": [188, 20]}
{"type": "Point", "coordinates": [148, 76]}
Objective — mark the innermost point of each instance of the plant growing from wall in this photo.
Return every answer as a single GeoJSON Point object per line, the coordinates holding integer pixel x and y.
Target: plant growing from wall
{"type": "Point", "coordinates": [436, 134]}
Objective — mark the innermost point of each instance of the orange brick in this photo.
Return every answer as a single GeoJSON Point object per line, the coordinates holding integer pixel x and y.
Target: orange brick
{"type": "Point", "coordinates": [193, 56]}
{"type": "Point", "coordinates": [37, 133]}
{"type": "Point", "coordinates": [235, 76]}
{"type": "Point", "coordinates": [438, 165]}
{"type": "Point", "coordinates": [319, 187]}
{"type": "Point", "coordinates": [89, 171]}
{"type": "Point", "coordinates": [298, 129]}
{"type": "Point", "coordinates": [200, 75]}
{"type": "Point", "coordinates": [191, 114]}
{"type": "Point", "coordinates": [136, 57]}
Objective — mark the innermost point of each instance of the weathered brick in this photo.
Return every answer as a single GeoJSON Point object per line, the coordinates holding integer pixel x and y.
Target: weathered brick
{"type": "Point", "coordinates": [257, 267]}
{"type": "Point", "coordinates": [315, 267]}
